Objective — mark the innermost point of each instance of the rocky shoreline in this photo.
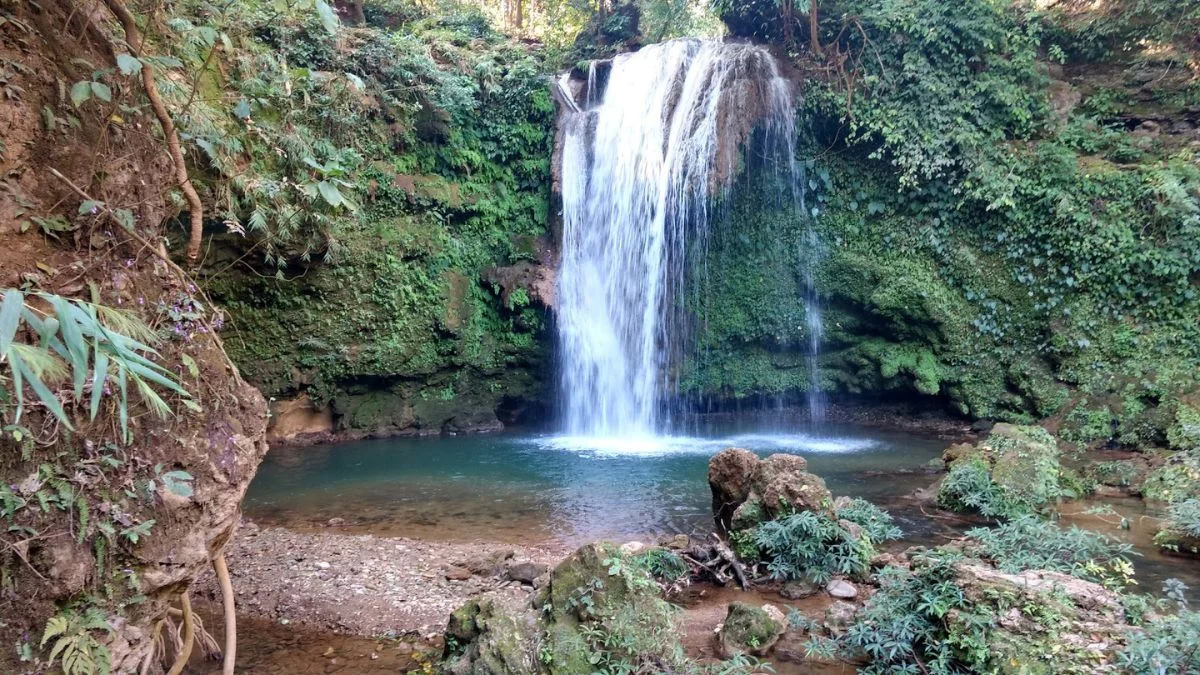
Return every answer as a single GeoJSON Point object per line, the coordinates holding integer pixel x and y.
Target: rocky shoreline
{"type": "Point", "coordinates": [366, 585]}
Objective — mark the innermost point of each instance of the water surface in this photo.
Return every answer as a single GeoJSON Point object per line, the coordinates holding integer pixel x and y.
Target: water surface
{"type": "Point", "coordinates": [529, 488]}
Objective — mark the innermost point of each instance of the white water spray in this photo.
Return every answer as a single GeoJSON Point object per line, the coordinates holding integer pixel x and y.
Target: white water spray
{"type": "Point", "coordinates": [642, 160]}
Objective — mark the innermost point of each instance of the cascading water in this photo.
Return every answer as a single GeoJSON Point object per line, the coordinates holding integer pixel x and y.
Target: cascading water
{"type": "Point", "coordinates": [641, 162]}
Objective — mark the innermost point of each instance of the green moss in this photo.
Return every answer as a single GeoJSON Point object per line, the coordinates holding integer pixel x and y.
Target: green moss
{"type": "Point", "coordinates": [748, 629]}
{"type": "Point", "coordinates": [1014, 471]}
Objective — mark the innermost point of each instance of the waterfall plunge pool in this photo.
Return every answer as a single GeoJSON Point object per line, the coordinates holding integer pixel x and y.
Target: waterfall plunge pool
{"type": "Point", "coordinates": [530, 488]}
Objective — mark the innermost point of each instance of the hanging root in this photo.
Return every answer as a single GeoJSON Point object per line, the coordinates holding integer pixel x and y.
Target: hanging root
{"type": "Point", "coordinates": [133, 38]}
{"type": "Point", "coordinates": [222, 571]}
{"type": "Point", "coordinates": [189, 636]}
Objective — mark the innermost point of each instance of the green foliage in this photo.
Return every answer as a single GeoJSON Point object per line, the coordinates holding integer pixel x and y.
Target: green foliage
{"type": "Point", "coordinates": [969, 487]}
{"type": "Point", "coordinates": [1028, 542]}
{"type": "Point", "coordinates": [1180, 530]}
{"type": "Point", "coordinates": [1178, 479]}
{"type": "Point", "coordinates": [76, 647]}
{"type": "Point", "coordinates": [876, 523]}
{"type": "Point", "coordinates": [812, 546]}
{"type": "Point", "coordinates": [97, 346]}
{"type": "Point", "coordinates": [1169, 644]}
{"type": "Point", "coordinates": [662, 564]}
{"type": "Point", "coordinates": [908, 621]}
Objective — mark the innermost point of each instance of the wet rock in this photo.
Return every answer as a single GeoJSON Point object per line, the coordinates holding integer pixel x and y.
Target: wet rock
{"type": "Point", "coordinates": [798, 590]}
{"type": "Point", "coordinates": [1023, 461]}
{"type": "Point", "coordinates": [490, 565]}
{"type": "Point", "coordinates": [746, 490]}
{"type": "Point", "coordinates": [680, 542]}
{"type": "Point", "coordinates": [729, 475]}
{"type": "Point", "coordinates": [841, 589]}
{"type": "Point", "coordinates": [839, 616]}
{"type": "Point", "coordinates": [525, 572]}
{"type": "Point", "coordinates": [337, 522]}
{"type": "Point", "coordinates": [750, 630]}
{"type": "Point", "coordinates": [1148, 128]}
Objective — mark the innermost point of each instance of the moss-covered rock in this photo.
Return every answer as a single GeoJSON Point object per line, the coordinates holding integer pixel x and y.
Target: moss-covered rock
{"type": "Point", "coordinates": [750, 630]}
{"type": "Point", "coordinates": [600, 611]}
{"type": "Point", "coordinates": [1176, 479]}
{"type": "Point", "coordinates": [1014, 470]}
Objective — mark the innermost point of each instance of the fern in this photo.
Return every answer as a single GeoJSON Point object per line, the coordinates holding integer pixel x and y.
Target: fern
{"type": "Point", "coordinates": [75, 645]}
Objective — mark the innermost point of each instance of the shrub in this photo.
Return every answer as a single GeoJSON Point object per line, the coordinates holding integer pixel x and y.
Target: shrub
{"type": "Point", "coordinates": [1031, 543]}
{"type": "Point", "coordinates": [662, 564]}
{"type": "Point", "coordinates": [876, 523]}
{"type": "Point", "coordinates": [969, 487]}
{"type": "Point", "coordinates": [1169, 644]}
{"type": "Point", "coordinates": [812, 546]}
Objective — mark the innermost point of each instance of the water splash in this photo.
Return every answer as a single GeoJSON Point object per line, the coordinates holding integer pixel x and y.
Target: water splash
{"type": "Point", "coordinates": [642, 161]}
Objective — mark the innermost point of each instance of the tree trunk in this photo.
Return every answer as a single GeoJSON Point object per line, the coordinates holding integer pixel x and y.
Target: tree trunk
{"type": "Point", "coordinates": [813, 29]}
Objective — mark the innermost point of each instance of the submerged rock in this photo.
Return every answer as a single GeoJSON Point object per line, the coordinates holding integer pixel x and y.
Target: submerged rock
{"type": "Point", "coordinates": [747, 490]}
{"type": "Point", "coordinates": [751, 630]}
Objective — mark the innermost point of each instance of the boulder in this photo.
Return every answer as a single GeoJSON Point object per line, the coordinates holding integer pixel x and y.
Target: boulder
{"type": "Point", "coordinates": [747, 490]}
{"type": "Point", "coordinates": [1021, 462]}
{"type": "Point", "coordinates": [842, 589]}
{"type": "Point", "coordinates": [798, 590]}
{"type": "Point", "coordinates": [552, 631]}
{"type": "Point", "coordinates": [525, 572]}
{"type": "Point", "coordinates": [493, 635]}
{"type": "Point", "coordinates": [751, 630]}
{"type": "Point", "coordinates": [839, 616]}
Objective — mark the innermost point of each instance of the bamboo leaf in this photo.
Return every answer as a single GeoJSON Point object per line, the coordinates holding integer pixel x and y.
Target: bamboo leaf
{"type": "Point", "coordinates": [47, 397]}
{"type": "Point", "coordinates": [10, 317]}
{"type": "Point", "coordinates": [99, 375]}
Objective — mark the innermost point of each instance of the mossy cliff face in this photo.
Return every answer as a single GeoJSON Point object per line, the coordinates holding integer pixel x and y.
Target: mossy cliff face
{"type": "Point", "coordinates": [1008, 237]}
{"type": "Point", "coordinates": [423, 309]}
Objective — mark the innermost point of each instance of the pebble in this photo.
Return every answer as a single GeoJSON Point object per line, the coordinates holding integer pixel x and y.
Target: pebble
{"type": "Point", "coordinates": [843, 590]}
{"type": "Point", "coordinates": [322, 565]}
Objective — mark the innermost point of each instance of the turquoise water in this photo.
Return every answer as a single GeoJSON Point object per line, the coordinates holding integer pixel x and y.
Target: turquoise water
{"type": "Point", "coordinates": [529, 487]}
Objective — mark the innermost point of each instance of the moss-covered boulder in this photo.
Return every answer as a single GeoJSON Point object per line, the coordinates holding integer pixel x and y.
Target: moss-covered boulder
{"type": "Point", "coordinates": [600, 612]}
{"type": "Point", "coordinates": [751, 630]}
{"type": "Point", "coordinates": [1180, 531]}
{"type": "Point", "coordinates": [1177, 479]}
{"type": "Point", "coordinates": [1015, 470]}
{"type": "Point", "coordinates": [493, 635]}
{"type": "Point", "coordinates": [747, 490]}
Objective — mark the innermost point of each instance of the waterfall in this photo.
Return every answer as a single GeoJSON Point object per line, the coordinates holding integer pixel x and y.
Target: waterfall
{"type": "Point", "coordinates": [642, 161]}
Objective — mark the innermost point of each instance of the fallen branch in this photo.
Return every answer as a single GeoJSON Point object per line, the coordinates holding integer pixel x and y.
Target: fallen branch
{"type": "Point", "coordinates": [721, 578]}
{"type": "Point", "coordinates": [728, 556]}
{"type": "Point", "coordinates": [133, 38]}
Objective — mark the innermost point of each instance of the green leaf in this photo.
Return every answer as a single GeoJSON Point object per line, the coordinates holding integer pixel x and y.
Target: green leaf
{"type": "Point", "coordinates": [101, 91]}
{"type": "Point", "coordinates": [190, 364]}
{"type": "Point", "coordinates": [44, 394]}
{"type": "Point", "coordinates": [80, 92]}
{"type": "Point", "coordinates": [328, 17]}
{"type": "Point", "coordinates": [10, 317]}
{"type": "Point", "coordinates": [99, 374]}
{"type": "Point", "coordinates": [89, 206]}
{"type": "Point", "coordinates": [330, 193]}
{"type": "Point", "coordinates": [242, 109]}
{"type": "Point", "coordinates": [128, 64]}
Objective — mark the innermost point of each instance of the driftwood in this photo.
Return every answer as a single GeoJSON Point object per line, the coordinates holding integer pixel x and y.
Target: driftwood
{"type": "Point", "coordinates": [727, 555]}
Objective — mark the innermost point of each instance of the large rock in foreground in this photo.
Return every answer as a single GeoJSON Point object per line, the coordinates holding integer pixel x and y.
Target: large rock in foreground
{"type": "Point", "coordinates": [747, 490]}
{"type": "Point", "coordinates": [599, 606]}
